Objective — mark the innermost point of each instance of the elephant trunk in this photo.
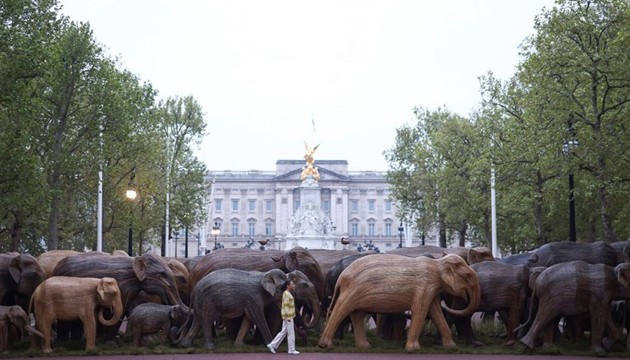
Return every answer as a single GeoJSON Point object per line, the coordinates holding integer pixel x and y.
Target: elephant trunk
{"type": "Point", "coordinates": [34, 331]}
{"type": "Point", "coordinates": [117, 309]}
{"type": "Point", "coordinates": [314, 318]}
{"type": "Point", "coordinates": [473, 294]}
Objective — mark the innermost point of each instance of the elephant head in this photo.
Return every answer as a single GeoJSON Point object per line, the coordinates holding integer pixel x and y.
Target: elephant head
{"type": "Point", "coordinates": [108, 296]}
{"type": "Point", "coordinates": [306, 297]}
{"type": "Point", "coordinates": [156, 278]}
{"type": "Point", "coordinates": [14, 315]}
{"type": "Point", "coordinates": [301, 259]}
{"type": "Point", "coordinates": [20, 274]}
{"type": "Point", "coordinates": [459, 280]}
{"type": "Point", "coordinates": [272, 282]}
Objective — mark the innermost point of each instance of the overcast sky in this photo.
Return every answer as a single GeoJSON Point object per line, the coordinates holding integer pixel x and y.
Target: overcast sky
{"type": "Point", "coordinates": [264, 71]}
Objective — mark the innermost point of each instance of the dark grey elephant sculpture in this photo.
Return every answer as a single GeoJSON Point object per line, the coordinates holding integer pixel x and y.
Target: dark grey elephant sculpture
{"type": "Point", "coordinates": [565, 251]}
{"type": "Point", "coordinates": [151, 319]}
{"type": "Point", "coordinates": [504, 288]}
{"type": "Point", "coordinates": [576, 288]}
{"type": "Point", "coordinates": [255, 260]}
{"type": "Point", "coordinates": [20, 274]}
{"type": "Point", "coordinates": [229, 294]}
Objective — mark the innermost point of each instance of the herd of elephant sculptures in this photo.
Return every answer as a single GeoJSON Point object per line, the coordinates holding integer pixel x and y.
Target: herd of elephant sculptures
{"type": "Point", "coordinates": [63, 294]}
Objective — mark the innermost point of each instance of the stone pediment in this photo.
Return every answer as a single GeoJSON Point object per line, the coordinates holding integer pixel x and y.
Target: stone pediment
{"type": "Point", "coordinates": [325, 175]}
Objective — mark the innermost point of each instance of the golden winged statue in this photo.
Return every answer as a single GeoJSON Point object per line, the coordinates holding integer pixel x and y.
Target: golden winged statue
{"type": "Point", "coordinates": [309, 169]}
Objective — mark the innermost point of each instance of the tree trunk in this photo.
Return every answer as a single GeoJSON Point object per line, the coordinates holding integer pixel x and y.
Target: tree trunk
{"type": "Point", "coordinates": [538, 211]}
{"type": "Point", "coordinates": [462, 233]}
{"type": "Point", "coordinates": [609, 230]}
{"type": "Point", "coordinates": [442, 230]}
{"type": "Point", "coordinates": [16, 233]}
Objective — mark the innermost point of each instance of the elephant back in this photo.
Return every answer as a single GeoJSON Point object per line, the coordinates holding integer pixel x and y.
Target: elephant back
{"type": "Point", "coordinates": [566, 251]}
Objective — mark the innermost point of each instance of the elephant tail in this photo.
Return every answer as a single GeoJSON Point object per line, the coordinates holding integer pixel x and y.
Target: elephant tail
{"type": "Point", "coordinates": [188, 330]}
{"type": "Point", "coordinates": [333, 300]}
{"type": "Point", "coordinates": [530, 316]}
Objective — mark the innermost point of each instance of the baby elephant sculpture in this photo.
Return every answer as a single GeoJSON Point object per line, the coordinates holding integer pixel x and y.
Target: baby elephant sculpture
{"type": "Point", "coordinates": [149, 319]}
{"type": "Point", "coordinates": [72, 298]}
{"type": "Point", "coordinates": [13, 318]}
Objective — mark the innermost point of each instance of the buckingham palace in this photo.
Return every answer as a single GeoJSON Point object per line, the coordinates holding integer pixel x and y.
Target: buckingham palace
{"type": "Point", "coordinates": [256, 208]}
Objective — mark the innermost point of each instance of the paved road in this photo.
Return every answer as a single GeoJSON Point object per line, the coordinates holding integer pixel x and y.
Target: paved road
{"type": "Point", "coordinates": [328, 356]}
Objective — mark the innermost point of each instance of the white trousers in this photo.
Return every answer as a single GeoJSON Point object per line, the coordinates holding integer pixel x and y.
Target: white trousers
{"type": "Point", "coordinates": [287, 330]}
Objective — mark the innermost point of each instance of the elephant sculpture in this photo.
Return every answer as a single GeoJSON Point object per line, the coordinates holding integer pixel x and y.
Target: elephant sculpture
{"type": "Point", "coordinates": [20, 274]}
{"type": "Point", "coordinates": [504, 288]}
{"type": "Point", "coordinates": [229, 294]}
{"type": "Point", "coordinates": [576, 288]}
{"type": "Point", "coordinates": [255, 260]}
{"type": "Point", "coordinates": [471, 255]}
{"type": "Point", "coordinates": [71, 298]}
{"type": "Point", "coordinates": [392, 283]}
{"type": "Point", "coordinates": [147, 273]}
{"type": "Point", "coordinates": [13, 319]}
{"type": "Point", "coordinates": [50, 259]}
{"type": "Point", "coordinates": [566, 251]}
{"type": "Point", "coordinates": [151, 319]}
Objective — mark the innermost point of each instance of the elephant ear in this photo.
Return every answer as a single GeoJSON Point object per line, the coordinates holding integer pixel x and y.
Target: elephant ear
{"type": "Point", "coordinates": [291, 263]}
{"type": "Point", "coordinates": [15, 269]}
{"type": "Point", "coordinates": [273, 280]}
{"type": "Point", "coordinates": [101, 289]}
{"type": "Point", "coordinates": [623, 274]}
{"type": "Point", "coordinates": [473, 257]}
{"type": "Point", "coordinates": [140, 267]}
{"type": "Point", "coordinates": [447, 271]}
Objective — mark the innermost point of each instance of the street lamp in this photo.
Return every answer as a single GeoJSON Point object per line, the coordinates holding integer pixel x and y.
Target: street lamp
{"type": "Point", "coordinates": [401, 230]}
{"type": "Point", "coordinates": [570, 145]}
{"type": "Point", "coordinates": [131, 195]}
{"type": "Point", "coordinates": [215, 232]}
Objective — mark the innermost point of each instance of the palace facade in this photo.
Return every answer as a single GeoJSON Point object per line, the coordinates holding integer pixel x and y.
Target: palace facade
{"type": "Point", "coordinates": [249, 208]}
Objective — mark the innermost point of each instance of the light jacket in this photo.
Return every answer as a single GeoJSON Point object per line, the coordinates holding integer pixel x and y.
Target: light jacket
{"type": "Point", "coordinates": [288, 306]}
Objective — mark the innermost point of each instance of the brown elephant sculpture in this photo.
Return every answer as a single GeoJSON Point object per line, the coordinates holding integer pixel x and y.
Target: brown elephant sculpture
{"type": "Point", "coordinates": [394, 283]}
{"type": "Point", "coordinates": [70, 298]}
{"type": "Point", "coordinates": [14, 320]}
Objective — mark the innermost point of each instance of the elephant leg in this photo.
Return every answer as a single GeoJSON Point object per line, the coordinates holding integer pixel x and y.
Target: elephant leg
{"type": "Point", "coordinates": [437, 316]}
{"type": "Point", "coordinates": [549, 332]}
{"type": "Point", "coordinates": [542, 318]}
{"type": "Point", "coordinates": [511, 323]}
{"type": "Point", "coordinates": [207, 327]}
{"type": "Point", "coordinates": [46, 329]}
{"type": "Point", "coordinates": [89, 330]}
{"type": "Point", "coordinates": [416, 326]}
{"type": "Point", "coordinates": [246, 324]}
{"type": "Point", "coordinates": [358, 327]}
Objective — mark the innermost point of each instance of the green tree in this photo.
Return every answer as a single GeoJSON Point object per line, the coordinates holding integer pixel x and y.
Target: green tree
{"type": "Point", "coordinates": [578, 64]}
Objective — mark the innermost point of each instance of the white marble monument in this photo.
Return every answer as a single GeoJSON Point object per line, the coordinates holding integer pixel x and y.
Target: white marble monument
{"type": "Point", "coordinates": [310, 227]}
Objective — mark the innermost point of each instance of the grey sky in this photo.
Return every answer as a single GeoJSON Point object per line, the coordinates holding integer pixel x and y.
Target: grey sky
{"type": "Point", "coordinates": [262, 70]}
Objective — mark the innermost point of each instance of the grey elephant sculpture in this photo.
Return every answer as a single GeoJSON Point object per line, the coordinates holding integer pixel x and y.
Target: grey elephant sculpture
{"type": "Point", "coordinates": [20, 274]}
{"type": "Point", "coordinates": [232, 293]}
{"type": "Point", "coordinates": [576, 288]}
{"type": "Point", "coordinates": [565, 251]}
{"type": "Point", "coordinates": [504, 288]}
{"type": "Point", "coordinates": [13, 319]}
{"type": "Point", "coordinates": [152, 319]}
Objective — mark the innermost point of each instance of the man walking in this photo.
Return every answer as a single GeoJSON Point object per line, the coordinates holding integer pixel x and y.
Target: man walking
{"type": "Point", "coordinates": [288, 313]}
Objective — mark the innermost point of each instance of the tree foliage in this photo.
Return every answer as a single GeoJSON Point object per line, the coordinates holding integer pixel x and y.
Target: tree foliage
{"type": "Point", "coordinates": [573, 83]}
{"type": "Point", "coordinates": [69, 112]}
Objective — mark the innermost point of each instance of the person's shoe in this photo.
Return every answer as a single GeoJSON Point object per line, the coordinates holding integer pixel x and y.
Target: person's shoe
{"type": "Point", "coordinates": [294, 352]}
{"type": "Point", "coordinates": [273, 351]}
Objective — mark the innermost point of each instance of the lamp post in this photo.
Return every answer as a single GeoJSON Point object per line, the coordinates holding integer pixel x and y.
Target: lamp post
{"type": "Point", "coordinates": [570, 145]}
{"type": "Point", "coordinates": [176, 240]}
{"type": "Point", "coordinates": [215, 232]}
{"type": "Point", "coordinates": [401, 230]}
{"type": "Point", "coordinates": [131, 195]}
